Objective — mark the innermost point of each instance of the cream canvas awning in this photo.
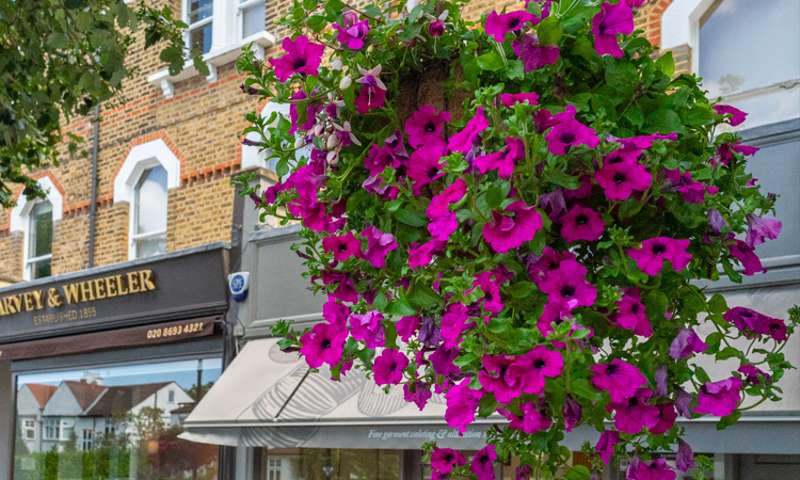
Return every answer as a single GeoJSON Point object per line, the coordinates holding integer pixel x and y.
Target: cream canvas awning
{"type": "Point", "coordinates": [243, 406]}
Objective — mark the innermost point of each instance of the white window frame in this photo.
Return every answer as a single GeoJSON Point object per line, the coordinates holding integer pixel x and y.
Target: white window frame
{"type": "Point", "coordinates": [139, 160]}
{"type": "Point", "coordinates": [187, 35]}
{"type": "Point", "coordinates": [30, 262]}
{"type": "Point", "coordinates": [135, 237]}
{"type": "Point", "coordinates": [52, 429]}
{"type": "Point", "coordinates": [20, 216]}
{"type": "Point", "coordinates": [240, 8]}
{"type": "Point", "coordinates": [87, 439]}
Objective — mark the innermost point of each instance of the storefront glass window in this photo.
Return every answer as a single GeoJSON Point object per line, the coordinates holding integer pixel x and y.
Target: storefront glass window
{"type": "Point", "coordinates": [119, 422]}
{"type": "Point", "coordinates": [331, 464]}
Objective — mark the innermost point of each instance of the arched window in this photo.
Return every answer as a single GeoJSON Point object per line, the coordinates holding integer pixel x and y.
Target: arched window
{"type": "Point", "coordinates": [39, 241]}
{"type": "Point", "coordinates": [149, 226]}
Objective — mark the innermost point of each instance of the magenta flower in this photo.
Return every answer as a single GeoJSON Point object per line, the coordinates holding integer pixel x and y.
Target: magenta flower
{"type": "Point", "coordinates": [324, 343]}
{"type": "Point", "coordinates": [482, 465]}
{"type": "Point", "coordinates": [335, 313]}
{"type": "Point", "coordinates": [567, 288]}
{"type": "Point", "coordinates": [407, 327]}
{"type": "Point", "coordinates": [605, 445]}
{"type": "Point", "coordinates": [612, 19]}
{"type": "Point", "coordinates": [635, 413]}
{"type": "Point", "coordinates": [746, 256]}
{"type": "Point", "coordinates": [619, 378]}
{"type": "Point", "coordinates": [656, 469]}
{"type": "Point", "coordinates": [683, 401]}
{"type": "Point", "coordinates": [632, 314]}
{"type": "Point", "coordinates": [716, 222]}
{"type": "Point", "coordinates": [538, 364]}
{"type": "Point", "coordinates": [443, 460]}
{"type": "Point", "coordinates": [511, 99]}
{"type": "Point", "coordinates": [572, 413]}
{"type": "Point", "coordinates": [419, 393]}
{"type": "Point", "coordinates": [650, 257]}
{"type": "Point", "coordinates": [420, 255]}
{"type": "Point", "coordinates": [643, 142]}
{"type": "Point", "coordinates": [372, 94]}
{"type": "Point", "coordinates": [489, 283]}
{"type": "Point", "coordinates": [442, 362]}
{"type": "Point", "coordinates": [497, 25]}
{"type": "Point", "coordinates": [310, 112]}
{"type": "Point", "coordinates": [752, 323]}
{"type": "Point", "coordinates": [719, 398]}
{"type": "Point", "coordinates": [343, 247]}
{"type": "Point", "coordinates": [666, 418]}
{"type": "Point", "coordinates": [498, 378]}
{"type": "Point", "coordinates": [352, 32]}
{"type": "Point", "coordinates": [685, 457]}
{"type": "Point", "coordinates": [509, 229]}
{"type": "Point", "coordinates": [464, 140]}
{"type": "Point", "coordinates": [461, 404]}
{"type": "Point", "coordinates": [554, 203]}
{"type": "Point", "coordinates": [691, 190]}
{"type": "Point", "coordinates": [454, 323]}
{"type": "Point", "coordinates": [726, 151]}
{"type": "Point", "coordinates": [533, 418]}
{"type": "Point", "coordinates": [503, 161]}
{"type": "Point", "coordinates": [378, 158]}
{"type": "Point", "coordinates": [733, 115]}
{"type": "Point", "coordinates": [389, 366]}
{"type": "Point", "coordinates": [379, 244]}
{"type": "Point", "coordinates": [619, 179]}
{"type": "Point", "coordinates": [686, 344]}
{"type": "Point", "coordinates": [367, 328]}
{"type": "Point", "coordinates": [443, 221]}
{"type": "Point", "coordinates": [753, 374]}
{"type": "Point", "coordinates": [301, 57]}
{"type": "Point", "coordinates": [760, 229]}
{"type": "Point", "coordinates": [426, 165]}
{"type": "Point", "coordinates": [582, 223]}
{"type": "Point", "coordinates": [533, 55]}
{"type": "Point", "coordinates": [436, 28]}
{"type": "Point", "coordinates": [426, 126]}
{"type": "Point", "coordinates": [345, 290]}
{"type": "Point", "coordinates": [539, 268]}
{"type": "Point", "coordinates": [568, 132]}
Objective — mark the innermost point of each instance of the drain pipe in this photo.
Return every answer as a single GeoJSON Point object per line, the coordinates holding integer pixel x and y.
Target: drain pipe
{"type": "Point", "coordinates": [95, 181]}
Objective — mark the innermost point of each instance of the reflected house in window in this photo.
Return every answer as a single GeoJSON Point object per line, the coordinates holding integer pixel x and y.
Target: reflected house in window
{"type": "Point", "coordinates": [75, 414]}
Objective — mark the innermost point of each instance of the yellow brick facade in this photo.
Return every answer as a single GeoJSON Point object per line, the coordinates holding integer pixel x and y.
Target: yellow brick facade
{"type": "Point", "coordinates": [201, 124]}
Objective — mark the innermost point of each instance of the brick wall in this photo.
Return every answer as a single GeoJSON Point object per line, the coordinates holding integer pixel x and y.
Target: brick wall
{"type": "Point", "coordinates": [201, 124]}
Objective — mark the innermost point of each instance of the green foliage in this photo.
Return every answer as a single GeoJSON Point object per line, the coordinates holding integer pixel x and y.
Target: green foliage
{"type": "Point", "coordinates": [61, 59]}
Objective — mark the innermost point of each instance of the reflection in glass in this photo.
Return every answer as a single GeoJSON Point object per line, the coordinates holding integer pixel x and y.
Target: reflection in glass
{"type": "Point", "coordinates": [150, 214]}
{"type": "Point", "coordinates": [40, 241]}
{"type": "Point", "coordinates": [113, 423]}
{"type": "Point", "coordinates": [332, 464]}
{"type": "Point", "coordinates": [252, 17]}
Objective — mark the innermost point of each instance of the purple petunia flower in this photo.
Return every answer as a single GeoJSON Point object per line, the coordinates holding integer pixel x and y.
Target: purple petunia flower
{"type": "Point", "coordinates": [324, 343]}
{"type": "Point", "coordinates": [497, 25]}
{"type": "Point", "coordinates": [572, 413]}
{"type": "Point", "coordinates": [747, 257]}
{"type": "Point", "coordinates": [533, 55]}
{"type": "Point", "coordinates": [443, 460]}
{"type": "Point", "coordinates": [343, 247]}
{"type": "Point", "coordinates": [691, 190]}
{"type": "Point", "coordinates": [368, 328]}
{"type": "Point", "coordinates": [511, 99]}
{"type": "Point", "coordinates": [301, 57]}
{"type": "Point", "coordinates": [425, 126]}
{"type": "Point", "coordinates": [656, 469]}
{"type": "Point", "coordinates": [719, 398]}
{"type": "Point", "coordinates": [619, 378]}
{"type": "Point", "coordinates": [621, 175]}
{"type": "Point", "coordinates": [461, 404]}
{"type": "Point", "coordinates": [442, 221]}
{"type": "Point", "coordinates": [503, 161]}
{"type": "Point", "coordinates": [686, 344]}
{"type": "Point", "coordinates": [635, 413]}
{"type": "Point", "coordinates": [464, 140]}
{"type": "Point", "coordinates": [567, 288]}
{"type": "Point", "coordinates": [753, 374]}
{"type": "Point", "coordinates": [760, 229]}
{"type": "Point", "coordinates": [389, 366]}
{"type": "Point", "coordinates": [310, 112]}
{"type": "Point", "coordinates": [612, 19]}
{"type": "Point", "coordinates": [420, 255]}
{"type": "Point", "coordinates": [509, 229]}
{"type": "Point", "coordinates": [685, 457]}
{"type": "Point", "coordinates": [534, 418]}
{"type": "Point", "coordinates": [425, 166]}
{"type": "Point", "coordinates": [581, 223]}
{"type": "Point", "coordinates": [650, 257]}
{"type": "Point", "coordinates": [632, 314]}
{"type": "Point", "coordinates": [605, 445]}
{"type": "Point", "coordinates": [734, 116]}
{"type": "Point", "coordinates": [726, 151]}
{"type": "Point", "coordinates": [567, 132]}
{"type": "Point", "coordinates": [751, 322]}
{"type": "Point", "coordinates": [454, 323]}
{"type": "Point", "coordinates": [716, 221]}
{"type": "Point", "coordinates": [379, 244]}
{"type": "Point", "coordinates": [407, 327]}
{"type": "Point", "coordinates": [482, 465]}
{"type": "Point", "coordinates": [419, 393]}
{"type": "Point", "coordinates": [661, 376]}
{"type": "Point", "coordinates": [352, 32]}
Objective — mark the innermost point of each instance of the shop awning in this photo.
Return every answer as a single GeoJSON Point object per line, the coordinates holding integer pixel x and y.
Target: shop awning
{"type": "Point", "coordinates": [248, 407]}
{"type": "Point", "coordinates": [242, 409]}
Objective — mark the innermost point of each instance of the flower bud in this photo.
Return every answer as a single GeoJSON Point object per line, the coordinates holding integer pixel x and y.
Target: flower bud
{"type": "Point", "coordinates": [345, 82]}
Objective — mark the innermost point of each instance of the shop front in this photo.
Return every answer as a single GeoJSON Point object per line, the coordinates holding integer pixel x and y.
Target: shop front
{"type": "Point", "coordinates": [99, 369]}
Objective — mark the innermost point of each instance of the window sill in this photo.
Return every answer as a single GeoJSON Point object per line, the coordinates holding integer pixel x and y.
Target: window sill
{"type": "Point", "coordinates": [214, 59]}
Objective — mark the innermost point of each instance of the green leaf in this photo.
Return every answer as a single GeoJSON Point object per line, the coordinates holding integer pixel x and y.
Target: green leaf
{"type": "Point", "coordinates": [410, 217]}
{"type": "Point", "coordinates": [665, 121]}
{"type": "Point", "coordinates": [726, 422]}
{"type": "Point", "coordinates": [656, 302]}
{"type": "Point", "coordinates": [666, 64]}
{"type": "Point", "coordinates": [549, 31]}
{"type": "Point", "coordinates": [423, 296]}
{"type": "Point", "coordinates": [401, 308]}
{"type": "Point", "coordinates": [583, 389]}
{"type": "Point", "coordinates": [490, 61]}
{"type": "Point", "coordinates": [717, 304]}
{"type": "Point", "coordinates": [728, 352]}
{"type": "Point", "coordinates": [578, 472]}
{"type": "Point", "coordinates": [487, 406]}
{"type": "Point", "coordinates": [317, 23]}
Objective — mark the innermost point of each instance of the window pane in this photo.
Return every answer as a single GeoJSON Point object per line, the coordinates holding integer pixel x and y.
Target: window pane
{"type": "Point", "coordinates": [200, 38]}
{"type": "Point", "coordinates": [200, 9]}
{"type": "Point", "coordinates": [41, 233]}
{"type": "Point", "coordinates": [151, 202]}
{"type": "Point", "coordinates": [332, 464]}
{"type": "Point", "coordinates": [777, 168]}
{"type": "Point", "coordinates": [113, 423]}
{"type": "Point", "coordinates": [252, 19]}
{"type": "Point", "coordinates": [151, 246]}
{"type": "Point", "coordinates": [41, 269]}
{"type": "Point", "coordinates": [745, 46]}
